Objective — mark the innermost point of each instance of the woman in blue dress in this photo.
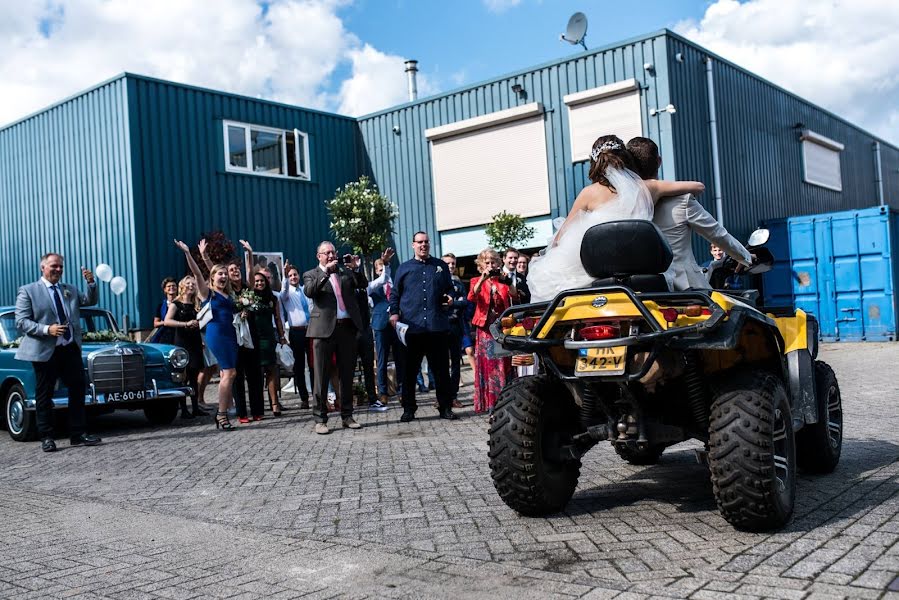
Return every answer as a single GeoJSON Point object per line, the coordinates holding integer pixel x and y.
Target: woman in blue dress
{"type": "Point", "coordinates": [220, 335]}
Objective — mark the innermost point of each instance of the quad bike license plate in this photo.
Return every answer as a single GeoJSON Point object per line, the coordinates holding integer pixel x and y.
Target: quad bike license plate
{"type": "Point", "coordinates": [608, 361]}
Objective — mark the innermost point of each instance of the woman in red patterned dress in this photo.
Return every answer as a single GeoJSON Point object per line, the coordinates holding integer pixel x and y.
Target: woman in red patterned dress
{"type": "Point", "coordinates": [491, 296]}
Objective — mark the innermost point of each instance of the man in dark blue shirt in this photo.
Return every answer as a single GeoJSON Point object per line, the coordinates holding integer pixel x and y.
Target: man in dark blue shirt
{"type": "Point", "coordinates": [422, 297]}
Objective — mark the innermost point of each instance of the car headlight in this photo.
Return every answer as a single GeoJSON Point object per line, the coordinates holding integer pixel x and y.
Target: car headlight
{"type": "Point", "coordinates": [179, 358]}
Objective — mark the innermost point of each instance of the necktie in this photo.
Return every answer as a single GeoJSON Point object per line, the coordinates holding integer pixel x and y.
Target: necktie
{"type": "Point", "coordinates": [387, 289]}
{"type": "Point", "coordinates": [335, 284]}
{"type": "Point", "coordinates": [61, 312]}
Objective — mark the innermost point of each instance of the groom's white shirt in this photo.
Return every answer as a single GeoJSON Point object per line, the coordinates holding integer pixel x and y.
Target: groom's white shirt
{"type": "Point", "coordinates": [678, 217]}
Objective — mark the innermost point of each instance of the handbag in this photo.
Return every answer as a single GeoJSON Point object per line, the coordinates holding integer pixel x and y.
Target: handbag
{"type": "Point", "coordinates": [285, 356]}
{"type": "Point", "coordinates": [205, 315]}
{"type": "Point", "coordinates": [242, 329]}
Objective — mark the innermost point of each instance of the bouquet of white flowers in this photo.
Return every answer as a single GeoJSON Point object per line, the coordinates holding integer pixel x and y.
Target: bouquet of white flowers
{"type": "Point", "coordinates": [248, 301]}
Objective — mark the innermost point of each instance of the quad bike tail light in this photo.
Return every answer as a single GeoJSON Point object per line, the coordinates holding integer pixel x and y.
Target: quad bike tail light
{"type": "Point", "coordinates": [599, 332]}
{"type": "Point", "coordinates": [693, 310]}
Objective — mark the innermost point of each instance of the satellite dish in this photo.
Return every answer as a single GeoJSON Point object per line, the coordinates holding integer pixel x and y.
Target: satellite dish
{"type": "Point", "coordinates": [576, 30]}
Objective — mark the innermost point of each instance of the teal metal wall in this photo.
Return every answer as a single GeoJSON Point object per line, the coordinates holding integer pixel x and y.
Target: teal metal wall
{"type": "Point", "coordinates": [759, 145]}
{"type": "Point", "coordinates": [181, 188]}
{"type": "Point", "coordinates": [115, 173]}
{"type": "Point", "coordinates": [400, 164]}
{"type": "Point", "coordinates": [64, 187]}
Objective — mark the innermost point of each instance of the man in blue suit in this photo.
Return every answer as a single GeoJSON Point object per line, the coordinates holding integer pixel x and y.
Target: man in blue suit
{"type": "Point", "coordinates": [379, 290]}
{"type": "Point", "coordinates": [48, 315]}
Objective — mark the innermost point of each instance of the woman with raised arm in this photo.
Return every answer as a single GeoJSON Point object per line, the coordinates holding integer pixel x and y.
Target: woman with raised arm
{"type": "Point", "coordinates": [220, 335]}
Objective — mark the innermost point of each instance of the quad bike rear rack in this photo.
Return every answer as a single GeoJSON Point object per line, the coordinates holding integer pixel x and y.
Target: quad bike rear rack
{"type": "Point", "coordinates": [651, 342]}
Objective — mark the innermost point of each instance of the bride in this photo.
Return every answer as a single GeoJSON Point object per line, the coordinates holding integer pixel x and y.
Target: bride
{"type": "Point", "coordinates": [617, 192]}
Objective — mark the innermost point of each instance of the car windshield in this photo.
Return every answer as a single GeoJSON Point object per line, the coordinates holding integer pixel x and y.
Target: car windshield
{"type": "Point", "coordinates": [91, 320]}
{"type": "Point", "coordinates": [8, 328]}
{"type": "Point", "coordinates": [96, 321]}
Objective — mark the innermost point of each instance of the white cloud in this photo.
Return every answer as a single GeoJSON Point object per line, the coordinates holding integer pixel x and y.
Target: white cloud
{"type": "Point", "coordinates": [840, 55]}
{"type": "Point", "coordinates": [287, 52]}
{"type": "Point", "coordinates": [378, 81]}
{"type": "Point", "coordinates": [498, 6]}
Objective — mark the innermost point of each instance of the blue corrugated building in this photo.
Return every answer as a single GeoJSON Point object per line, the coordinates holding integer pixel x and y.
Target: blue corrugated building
{"type": "Point", "coordinates": [114, 173]}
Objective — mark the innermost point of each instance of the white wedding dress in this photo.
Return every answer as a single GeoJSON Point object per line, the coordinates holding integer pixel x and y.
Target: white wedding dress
{"type": "Point", "coordinates": [559, 268]}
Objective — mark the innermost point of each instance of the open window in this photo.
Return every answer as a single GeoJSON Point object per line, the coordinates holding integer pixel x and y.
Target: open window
{"type": "Point", "coordinates": [258, 150]}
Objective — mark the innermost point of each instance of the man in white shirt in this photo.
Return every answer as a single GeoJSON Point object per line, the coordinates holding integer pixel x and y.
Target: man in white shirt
{"type": "Point", "coordinates": [296, 306]}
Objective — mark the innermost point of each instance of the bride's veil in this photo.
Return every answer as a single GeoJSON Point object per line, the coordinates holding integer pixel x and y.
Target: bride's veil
{"type": "Point", "coordinates": [633, 199]}
{"type": "Point", "coordinates": [560, 268]}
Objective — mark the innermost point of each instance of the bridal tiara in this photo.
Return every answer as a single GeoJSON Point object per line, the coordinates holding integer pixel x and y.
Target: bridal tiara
{"type": "Point", "coordinates": [609, 145]}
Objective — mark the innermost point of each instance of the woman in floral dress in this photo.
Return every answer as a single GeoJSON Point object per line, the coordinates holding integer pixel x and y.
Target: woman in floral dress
{"type": "Point", "coordinates": [491, 296]}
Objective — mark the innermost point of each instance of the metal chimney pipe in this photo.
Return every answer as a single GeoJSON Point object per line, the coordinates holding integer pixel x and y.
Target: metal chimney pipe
{"type": "Point", "coordinates": [411, 70]}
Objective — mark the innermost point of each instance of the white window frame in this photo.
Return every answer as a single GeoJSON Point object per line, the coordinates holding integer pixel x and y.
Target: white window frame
{"type": "Point", "coordinates": [298, 138]}
{"type": "Point", "coordinates": [810, 137]}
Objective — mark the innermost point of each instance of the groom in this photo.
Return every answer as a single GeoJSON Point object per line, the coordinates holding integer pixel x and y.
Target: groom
{"type": "Point", "coordinates": [678, 217]}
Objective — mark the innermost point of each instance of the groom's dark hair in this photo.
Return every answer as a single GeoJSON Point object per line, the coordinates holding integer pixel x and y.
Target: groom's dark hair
{"type": "Point", "coordinates": [646, 157]}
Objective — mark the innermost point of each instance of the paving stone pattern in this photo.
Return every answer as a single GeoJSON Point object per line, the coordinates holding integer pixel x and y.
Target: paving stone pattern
{"type": "Point", "coordinates": [409, 511]}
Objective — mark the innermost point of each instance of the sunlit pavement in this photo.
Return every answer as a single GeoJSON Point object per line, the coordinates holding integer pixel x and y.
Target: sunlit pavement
{"type": "Point", "coordinates": [400, 510]}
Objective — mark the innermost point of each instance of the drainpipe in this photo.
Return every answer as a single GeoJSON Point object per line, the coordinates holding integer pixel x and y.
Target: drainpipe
{"type": "Point", "coordinates": [411, 70]}
{"type": "Point", "coordinates": [713, 131]}
{"type": "Point", "coordinates": [878, 172]}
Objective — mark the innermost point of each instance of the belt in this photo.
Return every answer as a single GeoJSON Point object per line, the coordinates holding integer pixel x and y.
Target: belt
{"type": "Point", "coordinates": [298, 327]}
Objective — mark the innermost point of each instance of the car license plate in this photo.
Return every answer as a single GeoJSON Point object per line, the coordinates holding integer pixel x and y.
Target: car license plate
{"type": "Point", "coordinates": [126, 396]}
{"type": "Point", "coordinates": [608, 361]}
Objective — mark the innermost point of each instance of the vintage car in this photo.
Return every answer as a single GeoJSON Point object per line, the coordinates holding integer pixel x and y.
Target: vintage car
{"type": "Point", "coordinates": [119, 374]}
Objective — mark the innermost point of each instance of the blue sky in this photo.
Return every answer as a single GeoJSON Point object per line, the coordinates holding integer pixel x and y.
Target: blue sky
{"type": "Point", "coordinates": [346, 56]}
{"type": "Point", "coordinates": [465, 41]}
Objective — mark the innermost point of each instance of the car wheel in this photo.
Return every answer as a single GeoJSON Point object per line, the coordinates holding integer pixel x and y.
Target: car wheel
{"type": "Point", "coordinates": [20, 422]}
{"type": "Point", "coordinates": [162, 412]}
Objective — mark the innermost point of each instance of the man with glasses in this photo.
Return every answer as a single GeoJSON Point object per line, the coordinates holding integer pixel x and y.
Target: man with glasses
{"type": "Point", "coordinates": [334, 320]}
{"type": "Point", "coordinates": [48, 315]}
{"type": "Point", "coordinates": [422, 297]}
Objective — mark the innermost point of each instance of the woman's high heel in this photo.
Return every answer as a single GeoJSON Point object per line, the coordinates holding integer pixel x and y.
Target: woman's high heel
{"type": "Point", "coordinates": [221, 420]}
{"type": "Point", "coordinates": [277, 412]}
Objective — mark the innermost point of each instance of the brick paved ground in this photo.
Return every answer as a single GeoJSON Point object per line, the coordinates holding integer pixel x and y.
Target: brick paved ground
{"type": "Point", "coordinates": [408, 510]}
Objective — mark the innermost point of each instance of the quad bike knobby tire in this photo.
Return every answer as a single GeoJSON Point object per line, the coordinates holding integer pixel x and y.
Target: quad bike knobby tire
{"type": "Point", "coordinates": [752, 450]}
{"type": "Point", "coordinates": [534, 417]}
{"type": "Point", "coordinates": [818, 445]}
{"type": "Point", "coordinates": [649, 456]}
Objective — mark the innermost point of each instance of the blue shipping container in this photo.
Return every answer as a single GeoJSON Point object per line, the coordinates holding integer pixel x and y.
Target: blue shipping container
{"type": "Point", "coordinates": [839, 267]}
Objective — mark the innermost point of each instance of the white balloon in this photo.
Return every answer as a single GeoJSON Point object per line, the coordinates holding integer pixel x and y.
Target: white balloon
{"type": "Point", "coordinates": [103, 272]}
{"type": "Point", "coordinates": [118, 285]}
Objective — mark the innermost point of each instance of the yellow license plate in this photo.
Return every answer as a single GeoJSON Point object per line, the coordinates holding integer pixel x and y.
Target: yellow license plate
{"type": "Point", "coordinates": [608, 361]}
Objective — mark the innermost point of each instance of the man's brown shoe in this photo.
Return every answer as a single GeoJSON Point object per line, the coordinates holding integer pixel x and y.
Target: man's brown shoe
{"type": "Point", "coordinates": [384, 399]}
{"type": "Point", "coordinates": [350, 423]}
{"type": "Point", "coordinates": [321, 429]}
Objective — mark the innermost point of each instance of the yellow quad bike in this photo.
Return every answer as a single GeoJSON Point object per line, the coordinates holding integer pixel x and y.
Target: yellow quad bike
{"type": "Point", "coordinates": [629, 362]}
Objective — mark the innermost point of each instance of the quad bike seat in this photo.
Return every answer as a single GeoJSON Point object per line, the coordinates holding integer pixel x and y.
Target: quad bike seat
{"type": "Point", "coordinates": [632, 253]}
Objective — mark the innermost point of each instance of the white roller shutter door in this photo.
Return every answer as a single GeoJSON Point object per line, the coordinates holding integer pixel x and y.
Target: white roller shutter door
{"type": "Point", "coordinates": [609, 109]}
{"type": "Point", "coordinates": [485, 169]}
{"type": "Point", "coordinates": [821, 161]}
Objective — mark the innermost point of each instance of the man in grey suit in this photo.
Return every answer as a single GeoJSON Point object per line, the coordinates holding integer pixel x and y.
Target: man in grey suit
{"type": "Point", "coordinates": [334, 321]}
{"type": "Point", "coordinates": [678, 217]}
{"type": "Point", "coordinates": [48, 315]}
